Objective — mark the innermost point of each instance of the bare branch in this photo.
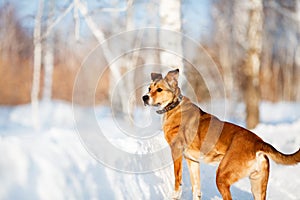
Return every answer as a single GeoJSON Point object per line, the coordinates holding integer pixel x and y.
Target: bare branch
{"type": "Point", "coordinates": [122, 9]}
{"type": "Point", "coordinates": [100, 37]}
{"type": "Point", "coordinates": [58, 19]}
{"type": "Point", "coordinates": [91, 24]}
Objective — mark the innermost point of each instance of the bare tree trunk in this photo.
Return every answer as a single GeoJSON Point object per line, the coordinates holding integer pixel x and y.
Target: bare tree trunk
{"type": "Point", "coordinates": [99, 35]}
{"type": "Point", "coordinates": [288, 74]}
{"type": "Point", "coordinates": [128, 107]}
{"type": "Point", "coordinates": [123, 103]}
{"type": "Point", "coordinates": [150, 57]}
{"type": "Point", "coordinates": [48, 58]}
{"type": "Point", "coordinates": [76, 20]}
{"type": "Point", "coordinates": [267, 91]}
{"type": "Point", "coordinates": [297, 57]}
{"type": "Point", "coordinates": [170, 19]}
{"type": "Point", "coordinates": [223, 37]}
{"type": "Point", "coordinates": [37, 65]}
{"type": "Point", "coordinates": [252, 64]}
{"type": "Point", "coordinates": [297, 63]}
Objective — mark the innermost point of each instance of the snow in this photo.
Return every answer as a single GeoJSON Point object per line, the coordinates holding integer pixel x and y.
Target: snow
{"type": "Point", "coordinates": [54, 162]}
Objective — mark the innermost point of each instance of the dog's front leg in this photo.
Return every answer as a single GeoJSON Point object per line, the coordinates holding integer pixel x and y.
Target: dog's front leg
{"type": "Point", "coordinates": [194, 169]}
{"type": "Point", "coordinates": [178, 177]}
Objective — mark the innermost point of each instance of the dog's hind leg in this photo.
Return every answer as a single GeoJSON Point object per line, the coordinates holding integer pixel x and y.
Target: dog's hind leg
{"type": "Point", "coordinates": [194, 169]}
{"type": "Point", "coordinates": [232, 168]}
{"type": "Point", "coordinates": [259, 177]}
{"type": "Point", "coordinates": [223, 184]}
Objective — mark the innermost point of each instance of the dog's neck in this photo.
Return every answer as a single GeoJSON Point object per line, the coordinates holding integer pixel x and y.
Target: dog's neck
{"type": "Point", "coordinates": [171, 105]}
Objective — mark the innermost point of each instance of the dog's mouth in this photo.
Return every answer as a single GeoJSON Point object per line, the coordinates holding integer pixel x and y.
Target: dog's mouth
{"type": "Point", "coordinates": [146, 100]}
{"type": "Point", "coordinates": [146, 103]}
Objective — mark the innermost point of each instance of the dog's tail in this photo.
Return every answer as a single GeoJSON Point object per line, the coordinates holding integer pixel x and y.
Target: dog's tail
{"type": "Point", "coordinates": [278, 157]}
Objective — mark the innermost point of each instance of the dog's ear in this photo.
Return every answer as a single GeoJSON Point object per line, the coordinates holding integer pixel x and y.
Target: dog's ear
{"type": "Point", "coordinates": [172, 78]}
{"type": "Point", "coordinates": [156, 76]}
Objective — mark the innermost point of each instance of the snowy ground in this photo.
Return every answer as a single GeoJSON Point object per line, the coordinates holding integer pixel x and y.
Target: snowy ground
{"type": "Point", "coordinates": [52, 163]}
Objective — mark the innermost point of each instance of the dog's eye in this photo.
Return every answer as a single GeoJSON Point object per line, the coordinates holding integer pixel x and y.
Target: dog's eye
{"type": "Point", "coordinates": [149, 89]}
{"type": "Point", "coordinates": [159, 90]}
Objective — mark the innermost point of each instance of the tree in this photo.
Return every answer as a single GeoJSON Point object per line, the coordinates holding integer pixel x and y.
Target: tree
{"type": "Point", "coordinates": [224, 18]}
{"type": "Point", "coordinates": [239, 45]}
{"type": "Point", "coordinates": [131, 62]}
{"type": "Point", "coordinates": [38, 37]}
{"type": "Point", "coordinates": [48, 58]}
{"type": "Point", "coordinates": [37, 64]}
{"type": "Point", "coordinates": [170, 19]}
{"type": "Point", "coordinates": [100, 36]}
{"type": "Point", "coordinates": [252, 63]}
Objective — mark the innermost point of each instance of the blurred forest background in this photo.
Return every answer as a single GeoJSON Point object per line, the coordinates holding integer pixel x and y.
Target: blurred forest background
{"type": "Point", "coordinates": [254, 43]}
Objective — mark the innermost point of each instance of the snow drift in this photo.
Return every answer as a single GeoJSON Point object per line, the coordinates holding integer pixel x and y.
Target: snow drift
{"type": "Point", "coordinates": [53, 162]}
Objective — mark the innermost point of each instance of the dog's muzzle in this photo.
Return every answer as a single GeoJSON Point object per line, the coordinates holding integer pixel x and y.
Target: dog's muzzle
{"type": "Point", "coordinates": [146, 100]}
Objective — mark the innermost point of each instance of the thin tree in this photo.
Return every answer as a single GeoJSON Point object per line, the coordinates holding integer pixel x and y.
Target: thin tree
{"type": "Point", "coordinates": [48, 58]}
{"type": "Point", "coordinates": [38, 37]}
{"type": "Point", "coordinates": [37, 64]}
{"type": "Point", "coordinates": [131, 61]}
{"type": "Point", "coordinates": [252, 63]}
{"type": "Point", "coordinates": [224, 14]}
{"type": "Point", "coordinates": [171, 44]}
{"type": "Point", "coordinates": [99, 35]}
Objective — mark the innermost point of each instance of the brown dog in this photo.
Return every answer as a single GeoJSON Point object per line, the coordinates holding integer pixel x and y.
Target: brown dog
{"type": "Point", "coordinates": [194, 134]}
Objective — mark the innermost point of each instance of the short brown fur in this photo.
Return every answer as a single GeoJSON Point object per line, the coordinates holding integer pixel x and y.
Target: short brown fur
{"type": "Point", "coordinates": [193, 133]}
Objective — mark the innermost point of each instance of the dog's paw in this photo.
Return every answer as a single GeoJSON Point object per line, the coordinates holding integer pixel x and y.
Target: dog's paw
{"type": "Point", "coordinates": [197, 195]}
{"type": "Point", "coordinates": [177, 194]}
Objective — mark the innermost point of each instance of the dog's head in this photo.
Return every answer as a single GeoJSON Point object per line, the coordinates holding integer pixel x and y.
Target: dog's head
{"type": "Point", "coordinates": [162, 91]}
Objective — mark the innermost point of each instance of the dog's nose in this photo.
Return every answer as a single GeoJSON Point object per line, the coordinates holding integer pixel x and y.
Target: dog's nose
{"type": "Point", "coordinates": [145, 98]}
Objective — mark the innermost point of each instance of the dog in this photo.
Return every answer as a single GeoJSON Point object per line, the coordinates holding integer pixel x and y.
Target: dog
{"type": "Point", "coordinates": [194, 134]}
